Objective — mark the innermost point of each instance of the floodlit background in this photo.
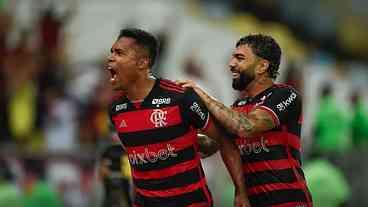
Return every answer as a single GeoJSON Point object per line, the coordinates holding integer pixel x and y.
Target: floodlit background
{"type": "Point", "coordinates": [54, 93]}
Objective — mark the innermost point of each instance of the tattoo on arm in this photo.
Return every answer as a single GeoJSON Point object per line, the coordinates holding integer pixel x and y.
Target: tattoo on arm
{"type": "Point", "coordinates": [236, 122]}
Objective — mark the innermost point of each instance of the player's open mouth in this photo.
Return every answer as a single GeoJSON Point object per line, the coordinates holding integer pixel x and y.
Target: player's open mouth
{"type": "Point", "coordinates": [235, 75]}
{"type": "Point", "coordinates": [112, 73]}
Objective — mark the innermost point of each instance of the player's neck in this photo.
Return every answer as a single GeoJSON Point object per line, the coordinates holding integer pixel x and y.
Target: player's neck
{"type": "Point", "coordinates": [258, 86]}
{"type": "Point", "coordinates": [141, 88]}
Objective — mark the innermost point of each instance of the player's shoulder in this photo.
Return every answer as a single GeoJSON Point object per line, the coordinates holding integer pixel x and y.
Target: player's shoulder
{"type": "Point", "coordinates": [170, 86]}
{"type": "Point", "coordinates": [284, 89]}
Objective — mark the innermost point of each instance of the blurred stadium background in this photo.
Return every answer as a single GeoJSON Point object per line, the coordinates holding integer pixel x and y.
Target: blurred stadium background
{"type": "Point", "coordinates": [54, 93]}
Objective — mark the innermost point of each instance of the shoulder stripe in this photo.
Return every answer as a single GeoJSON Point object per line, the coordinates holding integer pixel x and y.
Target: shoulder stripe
{"type": "Point", "coordinates": [171, 88]}
{"type": "Point", "coordinates": [172, 84]}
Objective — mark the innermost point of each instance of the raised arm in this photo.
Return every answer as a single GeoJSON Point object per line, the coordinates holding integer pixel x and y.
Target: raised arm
{"type": "Point", "coordinates": [244, 125]}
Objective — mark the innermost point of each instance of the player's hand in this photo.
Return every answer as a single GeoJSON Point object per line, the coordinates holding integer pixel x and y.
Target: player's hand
{"type": "Point", "coordinates": [187, 84]}
{"type": "Point", "coordinates": [190, 84]}
{"type": "Point", "coordinates": [241, 200]}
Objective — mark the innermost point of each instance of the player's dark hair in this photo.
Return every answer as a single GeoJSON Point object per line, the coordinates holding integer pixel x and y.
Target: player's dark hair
{"type": "Point", "coordinates": [266, 47]}
{"type": "Point", "coordinates": [144, 39]}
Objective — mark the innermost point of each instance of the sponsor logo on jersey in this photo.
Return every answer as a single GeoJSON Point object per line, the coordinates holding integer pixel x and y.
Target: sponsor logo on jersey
{"type": "Point", "coordinates": [285, 103]}
{"type": "Point", "coordinates": [197, 109]}
{"type": "Point", "coordinates": [161, 101]}
{"type": "Point", "coordinates": [121, 107]}
{"type": "Point", "coordinates": [150, 156]}
{"type": "Point", "coordinates": [158, 118]}
{"type": "Point", "coordinates": [122, 124]}
{"type": "Point", "coordinates": [253, 148]}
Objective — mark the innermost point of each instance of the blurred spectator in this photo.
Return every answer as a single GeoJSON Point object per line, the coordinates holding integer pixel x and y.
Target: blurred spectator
{"type": "Point", "coordinates": [332, 127]}
{"type": "Point", "coordinates": [36, 191]}
{"type": "Point", "coordinates": [294, 77]}
{"type": "Point", "coordinates": [360, 121]}
{"type": "Point", "coordinates": [94, 126]}
{"type": "Point", "coordinates": [327, 184]}
{"type": "Point", "coordinates": [60, 121]}
{"type": "Point", "coordinates": [9, 193]}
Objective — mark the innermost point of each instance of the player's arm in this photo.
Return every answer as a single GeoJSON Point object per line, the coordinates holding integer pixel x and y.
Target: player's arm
{"type": "Point", "coordinates": [244, 125]}
{"type": "Point", "coordinates": [231, 156]}
{"type": "Point", "coordinates": [207, 146]}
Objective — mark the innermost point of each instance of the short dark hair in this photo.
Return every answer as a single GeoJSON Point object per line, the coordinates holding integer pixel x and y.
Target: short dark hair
{"type": "Point", "coordinates": [144, 39]}
{"type": "Point", "coordinates": [266, 47]}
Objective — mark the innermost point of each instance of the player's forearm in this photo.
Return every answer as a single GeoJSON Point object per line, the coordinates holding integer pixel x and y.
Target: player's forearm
{"type": "Point", "coordinates": [231, 157]}
{"type": "Point", "coordinates": [231, 120]}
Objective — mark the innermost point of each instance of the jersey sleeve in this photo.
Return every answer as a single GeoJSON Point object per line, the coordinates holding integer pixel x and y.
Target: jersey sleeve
{"type": "Point", "coordinates": [283, 104]}
{"type": "Point", "coordinates": [194, 110]}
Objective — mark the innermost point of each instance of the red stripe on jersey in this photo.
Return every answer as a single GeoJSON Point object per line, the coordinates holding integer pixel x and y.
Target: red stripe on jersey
{"type": "Point", "coordinates": [273, 187]}
{"type": "Point", "coordinates": [269, 165]}
{"type": "Point", "coordinates": [146, 119]}
{"type": "Point", "coordinates": [202, 204]}
{"type": "Point", "coordinates": [171, 89]}
{"type": "Point", "coordinates": [293, 204]}
{"type": "Point", "coordinates": [178, 143]}
{"type": "Point", "coordinates": [293, 141]}
{"type": "Point", "coordinates": [170, 171]}
{"type": "Point", "coordinates": [275, 118]}
{"type": "Point", "coordinates": [172, 191]}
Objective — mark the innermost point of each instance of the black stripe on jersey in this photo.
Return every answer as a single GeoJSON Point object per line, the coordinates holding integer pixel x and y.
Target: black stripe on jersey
{"type": "Point", "coordinates": [277, 197]}
{"type": "Point", "coordinates": [295, 154]}
{"type": "Point", "coordinates": [276, 152]}
{"type": "Point", "coordinates": [182, 200]}
{"type": "Point", "coordinates": [270, 176]}
{"type": "Point", "coordinates": [301, 173]}
{"type": "Point", "coordinates": [152, 136]}
{"type": "Point", "coordinates": [294, 128]}
{"type": "Point", "coordinates": [184, 155]}
{"type": "Point", "coordinates": [178, 180]}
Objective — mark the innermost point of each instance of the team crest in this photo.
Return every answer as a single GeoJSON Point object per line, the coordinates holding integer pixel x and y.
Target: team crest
{"type": "Point", "coordinates": [158, 118]}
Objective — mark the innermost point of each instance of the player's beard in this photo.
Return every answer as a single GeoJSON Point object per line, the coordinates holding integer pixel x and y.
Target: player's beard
{"type": "Point", "coordinates": [242, 82]}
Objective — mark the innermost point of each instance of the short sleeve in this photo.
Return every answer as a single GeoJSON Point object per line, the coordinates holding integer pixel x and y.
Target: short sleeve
{"type": "Point", "coordinates": [284, 104]}
{"type": "Point", "coordinates": [194, 110]}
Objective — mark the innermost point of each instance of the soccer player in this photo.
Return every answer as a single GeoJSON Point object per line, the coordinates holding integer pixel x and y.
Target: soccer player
{"type": "Point", "coordinates": [265, 123]}
{"type": "Point", "coordinates": [157, 122]}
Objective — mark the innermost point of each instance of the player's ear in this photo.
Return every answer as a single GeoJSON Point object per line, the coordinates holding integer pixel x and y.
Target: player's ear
{"type": "Point", "coordinates": [263, 66]}
{"type": "Point", "coordinates": [143, 63]}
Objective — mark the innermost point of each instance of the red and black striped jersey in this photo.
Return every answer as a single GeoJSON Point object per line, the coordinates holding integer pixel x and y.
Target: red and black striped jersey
{"type": "Point", "coordinates": [160, 137]}
{"type": "Point", "coordinates": [272, 160]}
